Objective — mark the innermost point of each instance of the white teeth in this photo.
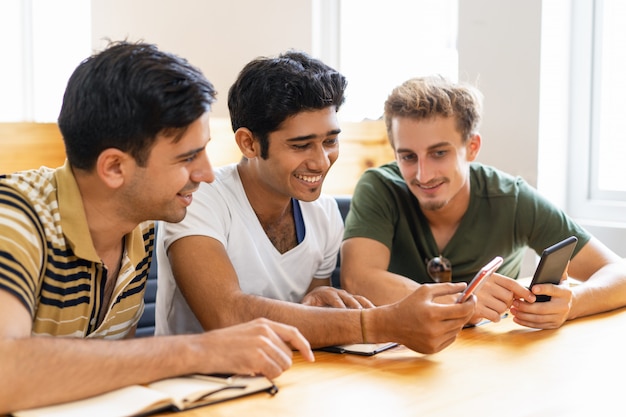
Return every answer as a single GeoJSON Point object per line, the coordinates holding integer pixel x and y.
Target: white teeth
{"type": "Point", "coordinates": [309, 179]}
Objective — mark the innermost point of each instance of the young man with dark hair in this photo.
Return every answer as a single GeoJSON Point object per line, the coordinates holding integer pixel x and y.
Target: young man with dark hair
{"type": "Point", "coordinates": [76, 241]}
{"type": "Point", "coordinates": [262, 239]}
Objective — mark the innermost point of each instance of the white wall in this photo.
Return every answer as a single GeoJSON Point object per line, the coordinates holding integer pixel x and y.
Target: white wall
{"type": "Point", "coordinates": [218, 36]}
{"type": "Point", "coordinates": [499, 51]}
{"type": "Point", "coordinates": [499, 48]}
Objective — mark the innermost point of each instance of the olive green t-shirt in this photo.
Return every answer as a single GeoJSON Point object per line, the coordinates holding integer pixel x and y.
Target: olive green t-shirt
{"type": "Point", "coordinates": [505, 216]}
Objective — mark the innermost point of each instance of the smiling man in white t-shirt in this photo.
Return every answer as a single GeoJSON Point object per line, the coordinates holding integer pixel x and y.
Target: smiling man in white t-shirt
{"type": "Point", "coordinates": [262, 241]}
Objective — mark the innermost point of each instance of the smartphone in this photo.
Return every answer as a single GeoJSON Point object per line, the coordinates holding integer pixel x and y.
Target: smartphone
{"type": "Point", "coordinates": [552, 264]}
{"type": "Point", "coordinates": [478, 279]}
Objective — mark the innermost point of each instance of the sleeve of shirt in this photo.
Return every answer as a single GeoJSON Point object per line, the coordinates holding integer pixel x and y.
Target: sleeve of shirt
{"type": "Point", "coordinates": [335, 232]}
{"type": "Point", "coordinates": [21, 247]}
{"type": "Point", "coordinates": [372, 211]}
{"type": "Point", "coordinates": [207, 215]}
{"type": "Point", "coordinates": [543, 223]}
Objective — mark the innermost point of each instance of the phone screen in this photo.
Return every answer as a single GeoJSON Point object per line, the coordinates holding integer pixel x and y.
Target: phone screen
{"type": "Point", "coordinates": [552, 264]}
{"type": "Point", "coordinates": [480, 276]}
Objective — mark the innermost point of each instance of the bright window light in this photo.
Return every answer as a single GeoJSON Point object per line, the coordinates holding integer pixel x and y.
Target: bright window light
{"type": "Point", "coordinates": [44, 41]}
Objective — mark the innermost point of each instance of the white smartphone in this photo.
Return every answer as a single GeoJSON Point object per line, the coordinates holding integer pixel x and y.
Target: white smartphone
{"type": "Point", "coordinates": [479, 278]}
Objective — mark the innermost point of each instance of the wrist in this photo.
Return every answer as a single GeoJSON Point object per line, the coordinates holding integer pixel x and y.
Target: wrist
{"type": "Point", "coordinates": [372, 325]}
{"type": "Point", "coordinates": [364, 338]}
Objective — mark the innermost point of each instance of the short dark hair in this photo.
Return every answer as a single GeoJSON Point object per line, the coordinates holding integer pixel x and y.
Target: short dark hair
{"type": "Point", "coordinates": [269, 90]}
{"type": "Point", "coordinates": [124, 96]}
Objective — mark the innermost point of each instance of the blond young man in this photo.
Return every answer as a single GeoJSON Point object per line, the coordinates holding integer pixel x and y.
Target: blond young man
{"type": "Point", "coordinates": [435, 207]}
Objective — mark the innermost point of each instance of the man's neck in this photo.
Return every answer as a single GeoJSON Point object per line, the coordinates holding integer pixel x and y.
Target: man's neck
{"type": "Point", "coordinates": [106, 227]}
{"type": "Point", "coordinates": [269, 208]}
{"type": "Point", "coordinates": [445, 221]}
{"type": "Point", "coordinates": [275, 213]}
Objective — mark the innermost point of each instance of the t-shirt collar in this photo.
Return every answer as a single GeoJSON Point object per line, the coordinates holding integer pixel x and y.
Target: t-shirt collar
{"type": "Point", "coordinates": [74, 221]}
{"type": "Point", "coordinates": [72, 212]}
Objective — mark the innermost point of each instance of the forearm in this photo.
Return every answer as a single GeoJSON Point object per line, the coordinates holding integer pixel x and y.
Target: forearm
{"type": "Point", "coordinates": [44, 370]}
{"type": "Point", "coordinates": [364, 272]}
{"type": "Point", "coordinates": [605, 290]}
{"type": "Point", "coordinates": [321, 326]}
{"type": "Point", "coordinates": [379, 286]}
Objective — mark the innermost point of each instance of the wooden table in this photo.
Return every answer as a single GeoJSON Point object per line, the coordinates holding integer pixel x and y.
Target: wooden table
{"type": "Point", "coordinates": [494, 369]}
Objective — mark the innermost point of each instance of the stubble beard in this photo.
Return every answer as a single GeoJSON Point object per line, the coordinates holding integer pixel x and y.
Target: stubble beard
{"type": "Point", "coordinates": [433, 205]}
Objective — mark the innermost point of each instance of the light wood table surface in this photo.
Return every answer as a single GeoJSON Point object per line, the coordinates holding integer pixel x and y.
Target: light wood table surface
{"type": "Point", "coordinates": [496, 369]}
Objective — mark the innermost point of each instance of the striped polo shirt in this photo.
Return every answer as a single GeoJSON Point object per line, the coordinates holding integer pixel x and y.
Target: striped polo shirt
{"type": "Point", "coordinates": [48, 260]}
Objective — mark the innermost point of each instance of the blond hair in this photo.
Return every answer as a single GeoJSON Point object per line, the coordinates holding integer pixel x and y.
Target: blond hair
{"type": "Point", "coordinates": [429, 97]}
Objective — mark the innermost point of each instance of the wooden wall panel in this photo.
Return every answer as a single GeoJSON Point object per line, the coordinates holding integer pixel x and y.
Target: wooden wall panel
{"type": "Point", "coordinates": [361, 145]}
{"type": "Point", "coordinates": [30, 145]}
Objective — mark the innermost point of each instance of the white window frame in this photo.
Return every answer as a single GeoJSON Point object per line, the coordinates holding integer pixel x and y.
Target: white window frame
{"type": "Point", "coordinates": [44, 41]}
{"type": "Point", "coordinates": [412, 56]}
{"type": "Point", "coordinates": [585, 201]}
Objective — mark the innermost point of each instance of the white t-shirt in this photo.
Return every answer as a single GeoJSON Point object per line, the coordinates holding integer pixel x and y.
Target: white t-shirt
{"type": "Point", "coordinates": [221, 210]}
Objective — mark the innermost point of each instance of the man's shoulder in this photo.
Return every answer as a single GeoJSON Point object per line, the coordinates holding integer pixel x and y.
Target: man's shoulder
{"type": "Point", "coordinates": [325, 203]}
{"type": "Point", "coordinates": [489, 171]}
{"type": "Point", "coordinates": [490, 180]}
{"type": "Point", "coordinates": [226, 179]}
{"type": "Point", "coordinates": [35, 178]}
{"type": "Point", "coordinates": [385, 180]}
{"type": "Point", "coordinates": [37, 186]}
{"type": "Point", "coordinates": [388, 174]}
{"type": "Point", "coordinates": [389, 170]}
{"type": "Point", "coordinates": [226, 174]}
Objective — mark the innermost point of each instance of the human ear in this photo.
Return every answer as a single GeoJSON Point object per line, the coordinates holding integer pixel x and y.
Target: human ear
{"type": "Point", "coordinates": [248, 145]}
{"type": "Point", "coordinates": [112, 167]}
{"type": "Point", "coordinates": [473, 146]}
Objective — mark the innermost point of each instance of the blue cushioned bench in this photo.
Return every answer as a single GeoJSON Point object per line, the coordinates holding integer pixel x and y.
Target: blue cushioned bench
{"type": "Point", "coordinates": [146, 323]}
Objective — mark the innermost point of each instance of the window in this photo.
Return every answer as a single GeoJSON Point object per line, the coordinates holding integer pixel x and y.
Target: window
{"type": "Point", "coordinates": [382, 44]}
{"type": "Point", "coordinates": [11, 76]}
{"type": "Point", "coordinates": [598, 172]}
{"type": "Point", "coordinates": [44, 41]}
{"type": "Point", "coordinates": [609, 89]}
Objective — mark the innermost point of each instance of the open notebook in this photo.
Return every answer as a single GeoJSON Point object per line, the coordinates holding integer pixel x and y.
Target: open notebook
{"type": "Point", "coordinates": [181, 393]}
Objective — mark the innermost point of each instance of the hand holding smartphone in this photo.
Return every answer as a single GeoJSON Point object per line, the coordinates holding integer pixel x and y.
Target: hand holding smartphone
{"type": "Point", "coordinates": [480, 276]}
{"type": "Point", "coordinates": [552, 264]}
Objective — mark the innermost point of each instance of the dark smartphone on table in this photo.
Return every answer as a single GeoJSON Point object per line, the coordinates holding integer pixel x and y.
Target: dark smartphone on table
{"type": "Point", "coordinates": [552, 264]}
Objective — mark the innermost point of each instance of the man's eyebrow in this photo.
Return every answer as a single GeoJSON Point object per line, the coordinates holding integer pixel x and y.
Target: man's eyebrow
{"type": "Point", "coordinates": [430, 148]}
{"type": "Point", "coordinates": [403, 150]}
{"type": "Point", "coordinates": [439, 145]}
{"type": "Point", "coordinates": [313, 136]}
{"type": "Point", "coordinates": [189, 153]}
